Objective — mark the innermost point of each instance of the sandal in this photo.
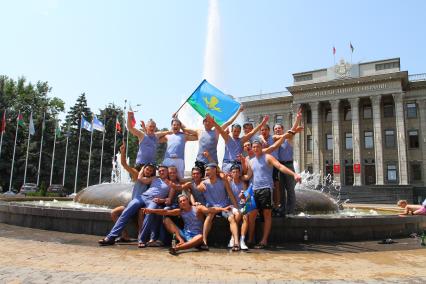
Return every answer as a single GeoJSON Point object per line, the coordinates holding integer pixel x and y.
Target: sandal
{"type": "Point", "coordinates": [141, 245]}
{"type": "Point", "coordinates": [106, 242]}
{"type": "Point", "coordinates": [204, 247]}
{"type": "Point", "coordinates": [236, 248]}
{"type": "Point", "coordinates": [155, 244]}
{"type": "Point", "coordinates": [260, 246]}
{"type": "Point", "coordinates": [172, 251]}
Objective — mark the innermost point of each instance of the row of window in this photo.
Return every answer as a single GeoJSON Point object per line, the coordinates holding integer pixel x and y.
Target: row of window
{"type": "Point", "coordinates": [389, 141]}
{"type": "Point", "coordinates": [367, 112]}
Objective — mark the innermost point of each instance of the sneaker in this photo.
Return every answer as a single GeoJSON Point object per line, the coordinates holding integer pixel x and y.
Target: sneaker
{"type": "Point", "coordinates": [243, 245]}
{"type": "Point", "coordinates": [231, 242]}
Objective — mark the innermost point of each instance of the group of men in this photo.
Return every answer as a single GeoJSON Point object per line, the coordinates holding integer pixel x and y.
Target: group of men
{"type": "Point", "coordinates": [259, 163]}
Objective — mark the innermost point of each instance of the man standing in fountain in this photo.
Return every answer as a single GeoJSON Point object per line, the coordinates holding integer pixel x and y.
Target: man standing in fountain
{"type": "Point", "coordinates": [260, 168]}
{"type": "Point", "coordinates": [208, 138]}
{"type": "Point", "coordinates": [175, 152]}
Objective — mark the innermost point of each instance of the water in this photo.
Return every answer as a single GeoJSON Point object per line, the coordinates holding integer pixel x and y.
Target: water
{"type": "Point", "coordinates": [64, 204]}
{"type": "Point", "coordinates": [118, 173]}
{"type": "Point", "coordinates": [313, 181]}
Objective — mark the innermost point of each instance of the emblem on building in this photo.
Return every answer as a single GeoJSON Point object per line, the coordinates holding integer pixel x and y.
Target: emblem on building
{"type": "Point", "coordinates": [343, 69]}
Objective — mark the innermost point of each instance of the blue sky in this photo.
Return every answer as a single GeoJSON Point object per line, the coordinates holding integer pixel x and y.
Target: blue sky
{"type": "Point", "coordinates": [151, 52]}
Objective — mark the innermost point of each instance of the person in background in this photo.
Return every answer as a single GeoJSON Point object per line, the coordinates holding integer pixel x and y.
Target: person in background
{"type": "Point", "coordinates": [412, 208]}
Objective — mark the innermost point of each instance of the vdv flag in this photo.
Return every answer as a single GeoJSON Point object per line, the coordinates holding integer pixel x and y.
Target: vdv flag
{"type": "Point", "coordinates": [250, 204]}
{"type": "Point", "coordinates": [207, 99]}
{"type": "Point", "coordinates": [98, 125]}
{"type": "Point", "coordinates": [85, 124]}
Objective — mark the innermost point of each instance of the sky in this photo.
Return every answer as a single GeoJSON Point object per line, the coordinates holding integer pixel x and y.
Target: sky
{"type": "Point", "coordinates": [152, 52]}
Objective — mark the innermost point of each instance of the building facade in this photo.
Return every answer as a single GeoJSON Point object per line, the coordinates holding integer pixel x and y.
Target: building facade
{"type": "Point", "coordinates": [365, 124]}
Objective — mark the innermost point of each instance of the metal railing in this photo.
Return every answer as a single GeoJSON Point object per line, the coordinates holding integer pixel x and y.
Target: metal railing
{"type": "Point", "coordinates": [264, 96]}
{"type": "Point", "coordinates": [417, 77]}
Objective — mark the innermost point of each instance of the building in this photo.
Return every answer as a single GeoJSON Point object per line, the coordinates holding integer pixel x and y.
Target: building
{"type": "Point", "coordinates": [365, 124]}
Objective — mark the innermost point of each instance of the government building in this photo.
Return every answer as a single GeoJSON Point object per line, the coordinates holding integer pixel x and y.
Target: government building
{"type": "Point", "coordinates": [365, 123]}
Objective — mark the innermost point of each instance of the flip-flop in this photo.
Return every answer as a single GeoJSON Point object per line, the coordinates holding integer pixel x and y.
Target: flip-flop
{"type": "Point", "coordinates": [106, 242]}
{"type": "Point", "coordinates": [236, 248]}
{"type": "Point", "coordinates": [141, 245]}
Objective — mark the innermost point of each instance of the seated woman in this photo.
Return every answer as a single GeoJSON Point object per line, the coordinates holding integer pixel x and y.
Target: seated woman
{"type": "Point", "coordinates": [411, 208]}
{"type": "Point", "coordinates": [147, 173]}
{"type": "Point", "coordinates": [159, 189]}
{"type": "Point", "coordinates": [193, 218]}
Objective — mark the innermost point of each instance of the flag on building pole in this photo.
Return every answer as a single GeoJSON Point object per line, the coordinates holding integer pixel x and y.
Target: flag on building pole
{"type": "Point", "coordinates": [86, 125]}
{"type": "Point", "coordinates": [53, 151]}
{"type": "Point", "coordinates": [117, 126]}
{"type": "Point", "coordinates": [31, 131]}
{"type": "Point", "coordinates": [78, 155]}
{"type": "Point", "coordinates": [352, 49]}
{"type": "Point", "coordinates": [207, 99]}
{"type": "Point", "coordinates": [102, 153]}
{"type": "Point", "coordinates": [90, 155]}
{"type": "Point", "coordinates": [98, 125]}
{"type": "Point", "coordinates": [19, 121]}
{"type": "Point", "coordinates": [41, 147]}
{"type": "Point", "coordinates": [117, 129]}
{"type": "Point", "coordinates": [2, 129]}
{"type": "Point", "coordinates": [66, 154]}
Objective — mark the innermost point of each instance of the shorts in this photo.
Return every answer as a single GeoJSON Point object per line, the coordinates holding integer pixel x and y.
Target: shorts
{"type": "Point", "coordinates": [275, 174]}
{"type": "Point", "coordinates": [233, 211]}
{"type": "Point", "coordinates": [262, 197]}
{"type": "Point", "coordinates": [187, 235]}
{"type": "Point", "coordinates": [421, 211]}
{"type": "Point", "coordinates": [178, 163]}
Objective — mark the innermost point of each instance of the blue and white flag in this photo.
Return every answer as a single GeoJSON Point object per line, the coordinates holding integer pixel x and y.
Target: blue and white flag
{"type": "Point", "coordinates": [31, 128]}
{"type": "Point", "coordinates": [98, 125]}
{"type": "Point", "coordinates": [85, 124]}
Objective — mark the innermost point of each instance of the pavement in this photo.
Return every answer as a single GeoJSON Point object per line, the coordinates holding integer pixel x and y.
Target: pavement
{"type": "Point", "coordinates": [38, 256]}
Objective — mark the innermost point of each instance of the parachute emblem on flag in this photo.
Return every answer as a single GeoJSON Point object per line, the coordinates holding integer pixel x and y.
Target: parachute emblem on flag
{"type": "Point", "coordinates": [212, 104]}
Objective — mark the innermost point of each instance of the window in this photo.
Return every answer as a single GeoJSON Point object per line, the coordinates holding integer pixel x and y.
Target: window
{"type": "Point", "coordinates": [391, 171]}
{"type": "Point", "coordinates": [309, 143]}
{"type": "Point", "coordinates": [390, 138]}
{"type": "Point", "coordinates": [279, 119]}
{"type": "Point", "coordinates": [348, 113]}
{"type": "Point", "coordinates": [328, 115]}
{"type": "Point", "coordinates": [329, 145]}
{"type": "Point", "coordinates": [367, 112]}
{"type": "Point", "coordinates": [411, 110]}
{"type": "Point", "coordinates": [348, 141]}
{"type": "Point", "coordinates": [308, 116]}
{"type": "Point", "coordinates": [413, 139]}
{"type": "Point", "coordinates": [388, 110]}
{"type": "Point", "coordinates": [368, 140]}
{"type": "Point", "coordinates": [389, 65]}
{"type": "Point", "coordinates": [300, 78]}
{"type": "Point", "coordinates": [416, 172]}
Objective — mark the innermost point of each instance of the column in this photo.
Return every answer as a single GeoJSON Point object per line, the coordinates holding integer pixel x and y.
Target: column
{"type": "Point", "coordinates": [400, 138]}
{"type": "Point", "coordinates": [297, 143]}
{"type": "Point", "coordinates": [378, 145]}
{"type": "Point", "coordinates": [422, 135]}
{"type": "Point", "coordinates": [335, 114]}
{"type": "Point", "coordinates": [356, 140]}
{"type": "Point", "coordinates": [315, 137]}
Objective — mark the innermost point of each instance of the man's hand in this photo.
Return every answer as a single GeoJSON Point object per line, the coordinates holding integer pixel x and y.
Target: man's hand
{"type": "Point", "coordinates": [175, 115]}
{"type": "Point", "coordinates": [147, 211]}
{"type": "Point", "coordinates": [265, 119]}
{"type": "Point", "coordinates": [297, 178]}
{"type": "Point", "coordinates": [168, 201]}
{"type": "Point", "coordinates": [156, 200]}
{"type": "Point", "coordinates": [227, 208]}
{"type": "Point", "coordinates": [143, 125]}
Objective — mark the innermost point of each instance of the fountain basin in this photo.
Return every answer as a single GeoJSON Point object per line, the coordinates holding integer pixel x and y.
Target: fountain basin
{"type": "Point", "coordinates": [97, 221]}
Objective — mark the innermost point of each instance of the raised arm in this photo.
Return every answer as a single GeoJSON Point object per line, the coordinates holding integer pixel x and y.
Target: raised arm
{"type": "Point", "coordinates": [255, 130]}
{"type": "Point", "coordinates": [132, 129]}
{"type": "Point", "coordinates": [173, 212]}
{"type": "Point", "coordinates": [229, 122]}
{"type": "Point", "coordinates": [221, 130]}
{"type": "Point", "coordinates": [274, 162]}
{"type": "Point", "coordinates": [132, 171]}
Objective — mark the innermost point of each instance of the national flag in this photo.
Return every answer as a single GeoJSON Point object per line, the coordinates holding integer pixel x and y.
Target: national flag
{"type": "Point", "coordinates": [132, 118]}
{"type": "Point", "coordinates": [250, 203]}
{"type": "Point", "coordinates": [3, 123]}
{"type": "Point", "coordinates": [31, 128]}
{"type": "Point", "coordinates": [117, 126]}
{"type": "Point", "coordinates": [334, 50]}
{"type": "Point", "coordinates": [85, 124]}
{"type": "Point", "coordinates": [21, 120]}
{"type": "Point", "coordinates": [207, 99]}
{"type": "Point", "coordinates": [58, 130]}
{"type": "Point", "coordinates": [351, 46]}
{"type": "Point", "coordinates": [98, 125]}
{"type": "Point", "coordinates": [68, 133]}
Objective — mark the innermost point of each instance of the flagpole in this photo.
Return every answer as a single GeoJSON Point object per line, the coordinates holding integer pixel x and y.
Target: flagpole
{"type": "Point", "coordinates": [28, 146]}
{"type": "Point", "coordinates": [41, 148]}
{"type": "Point", "coordinates": [102, 151]}
{"type": "Point", "coordinates": [190, 96]}
{"type": "Point", "coordinates": [125, 126]}
{"type": "Point", "coordinates": [14, 149]}
{"type": "Point", "coordinates": [65, 160]}
{"type": "Point", "coordinates": [115, 143]}
{"type": "Point", "coordinates": [78, 155]}
{"type": "Point", "coordinates": [2, 130]}
{"type": "Point", "coordinates": [53, 154]}
{"type": "Point", "coordinates": [90, 155]}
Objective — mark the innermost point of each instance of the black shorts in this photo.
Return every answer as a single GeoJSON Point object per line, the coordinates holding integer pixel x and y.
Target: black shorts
{"type": "Point", "coordinates": [262, 197]}
{"type": "Point", "coordinates": [275, 174]}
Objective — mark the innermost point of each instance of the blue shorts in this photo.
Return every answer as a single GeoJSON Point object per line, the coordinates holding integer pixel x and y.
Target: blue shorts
{"type": "Point", "coordinates": [187, 235]}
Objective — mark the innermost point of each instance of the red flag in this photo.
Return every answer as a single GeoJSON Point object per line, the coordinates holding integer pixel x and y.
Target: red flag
{"type": "Point", "coordinates": [117, 126]}
{"type": "Point", "coordinates": [3, 123]}
{"type": "Point", "coordinates": [334, 50]}
{"type": "Point", "coordinates": [133, 120]}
